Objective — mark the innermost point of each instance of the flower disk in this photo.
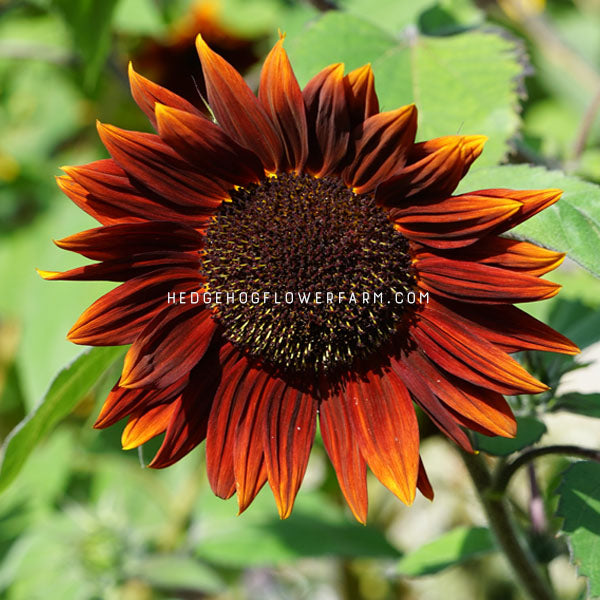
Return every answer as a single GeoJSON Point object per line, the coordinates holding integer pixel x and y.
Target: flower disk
{"type": "Point", "coordinates": [325, 266]}
{"type": "Point", "coordinates": [302, 220]}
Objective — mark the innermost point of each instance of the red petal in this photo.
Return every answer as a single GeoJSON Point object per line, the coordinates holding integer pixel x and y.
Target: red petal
{"type": "Point", "coordinates": [169, 346]}
{"type": "Point", "coordinates": [119, 316]}
{"type": "Point", "coordinates": [385, 424]}
{"type": "Point", "coordinates": [422, 392]}
{"type": "Point", "coordinates": [281, 98]}
{"type": "Point", "coordinates": [227, 409]}
{"type": "Point", "coordinates": [112, 196]}
{"type": "Point", "coordinates": [511, 254]}
{"type": "Point", "coordinates": [362, 99]}
{"type": "Point", "coordinates": [423, 482]}
{"type": "Point", "coordinates": [122, 401]}
{"type": "Point", "coordinates": [511, 329]}
{"type": "Point", "coordinates": [479, 283]}
{"type": "Point", "coordinates": [122, 269]}
{"type": "Point", "coordinates": [125, 239]}
{"type": "Point", "coordinates": [438, 166]}
{"type": "Point", "coordinates": [200, 141]}
{"type": "Point", "coordinates": [350, 467]}
{"type": "Point", "coordinates": [237, 109]}
{"type": "Point", "coordinates": [463, 354]}
{"type": "Point", "coordinates": [145, 424]}
{"type": "Point", "coordinates": [287, 440]}
{"type": "Point", "coordinates": [384, 143]}
{"type": "Point", "coordinates": [248, 455]}
{"type": "Point", "coordinates": [533, 201]}
{"type": "Point", "coordinates": [453, 222]}
{"type": "Point", "coordinates": [159, 167]}
{"type": "Point", "coordinates": [484, 407]}
{"type": "Point", "coordinates": [328, 120]}
{"type": "Point", "coordinates": [191, 412]}
{"type": "Point", "coordinates": [146, 93]}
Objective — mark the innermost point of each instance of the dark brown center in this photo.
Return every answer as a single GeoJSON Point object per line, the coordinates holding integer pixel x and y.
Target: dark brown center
{"type": "Point", "coordinates": [311, 276]}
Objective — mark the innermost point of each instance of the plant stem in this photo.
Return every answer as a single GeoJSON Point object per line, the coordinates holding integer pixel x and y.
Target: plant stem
{"type": "Point", "coordinates": [505, 531]}
{"type": "Point", "coordinates": [506, 472]}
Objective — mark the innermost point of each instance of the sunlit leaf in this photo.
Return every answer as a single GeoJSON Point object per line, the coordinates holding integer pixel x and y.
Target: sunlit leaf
{"type": "Point", "coordinates": [463, 84]}
{"type": "Point", "coordinates": [65, 392]}
{"type": "Point", "coordinates": [580, 507]}
{"type": "Point", "coordinates": [448, 550]}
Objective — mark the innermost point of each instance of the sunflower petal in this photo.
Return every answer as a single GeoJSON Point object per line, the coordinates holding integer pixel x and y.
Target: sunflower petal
{"type": "Point", "coordinates": [237, 109]}
{"type": "Point", "coordinates": [454, 222]}
{"type": "Point", "coordinates": [122, 240]}
{"type": "Point", "coordinates": [119, 316]}
{"type": "Point", "coordinates": [468, 357]}
{"type": "Point", "coordinates": [189, 422]}
{"type": "Point", "coordinates": [385, 424]}
{"type": "Point", "coordinates": [248, 456]}
{"type": "Point", "coordinates": [425, 398]}
{"type": "Point", "coordinates": [122, 401]}
{"type": "Point", "coordinates": [112, 196]}
{"type": "Point", "coordinates": [202, 142]}
{"type": "Point", "coordinates": [362, 99]}
{"type": "Point", "coordinates": [350, 467]}
{"type": "Point", "coordinates": [483, 406]}
{"type": "Point", "coordinates": [328, 120]}
{"type": "Point", "coordinates": [147, 93]}
{"type": "Point", "coordinates": [423, 482]}
{"type": "Point", "coordinates": [382, 148]}
{"type": "Point", "coordinates": [281, 98]}
{"type": "Point", "coordinates": [288, 437]}
{"type": "Point", "coordinates": [160, 168]}
{"type": "Point", "coordinates": [473, 282]}
{"type": "Point", "coordinates": [436, 167]}
{"type": "Point", "coordinates": [122, 269]}
{"type": "Point", "coordinates": [169, 346]}
{"type": "Point", "coordinates": [145, 424]}
{"type": "Point", "coordinates": [229, 403]}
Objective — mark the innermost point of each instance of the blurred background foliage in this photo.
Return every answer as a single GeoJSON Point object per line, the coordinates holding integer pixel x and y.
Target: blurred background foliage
{"type": "Point", "coordinates": [79, 518]}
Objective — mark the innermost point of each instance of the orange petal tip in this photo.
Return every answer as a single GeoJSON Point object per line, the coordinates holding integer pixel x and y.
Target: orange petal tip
{"type": "Point", "coordinates": [47, 274]}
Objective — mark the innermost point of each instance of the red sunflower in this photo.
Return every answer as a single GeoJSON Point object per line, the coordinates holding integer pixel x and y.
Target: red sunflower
{"type": "Point", "coordinates": [300, 192]}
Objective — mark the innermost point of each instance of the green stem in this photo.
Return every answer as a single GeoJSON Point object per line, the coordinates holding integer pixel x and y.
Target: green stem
{"type": "Point", "coordinates": [509, 469]}
{"type": "Point", "coordinates": [505, 531]}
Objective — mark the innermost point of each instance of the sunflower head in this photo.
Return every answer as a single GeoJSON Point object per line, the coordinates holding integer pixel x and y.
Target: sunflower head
{"type": "Point", "coordinates": [300, 258]}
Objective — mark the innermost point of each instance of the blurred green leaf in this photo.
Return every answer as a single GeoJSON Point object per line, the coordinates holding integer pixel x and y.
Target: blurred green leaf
{"type": "Point", "coordinates": [529, 431]}
{"type": "Point", "coordinates": [463, 84]}
{"type": "Point", "coordinates": [581, 404]}
{"type": "Point", "coordinates": [90, 25]}
{"type": "Point", "coordinates": [140, 17]}
{"type": "Point", "coordinates": [572, 225]}
{"type": "Point", "coordinates": [317, 528]}
{"type": "Point", "coordinates": [172, 572]}
{"type": "Point", "coordinates": [337, 37]}
{"type": "Point", "coordinates": [431, 16]}
{"type": "Point", "coordinates": [580, 507]}
{"type": "Point", "coordinates": [65, 392]}
{"type": "Point", "coordinates": [452, 548]}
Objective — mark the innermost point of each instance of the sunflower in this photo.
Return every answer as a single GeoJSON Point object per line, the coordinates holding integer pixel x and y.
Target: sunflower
{"type": "Point", "coordinates": [359, 285]}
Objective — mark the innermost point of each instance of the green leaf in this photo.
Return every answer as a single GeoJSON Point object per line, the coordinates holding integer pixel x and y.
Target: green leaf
{"type": "Point", "coordinates": [337, 37]}
{"type": "Point", "coordinates": [317, 528]}
{"type": "Point", "coordinates": [177, 573]}
{"type": "Point", "coordinates": [445, 16]}
{"type": "Point", "coordinates": [65, 392]}
{"type": "Point", "coordinates": [579, 505]}
{"type": "Point", "coordinates": [463, 84]}
{"type": "Point", "coordinates": [90, 23]}
{"type": "Point", "coordinates": [450, 549]}
{"type": "Point", "coordinates": [572, 225]}
{"type": "Point", "coordinates": [529, 431]}
{"type": "Point", "coordinates": [581, 404]}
